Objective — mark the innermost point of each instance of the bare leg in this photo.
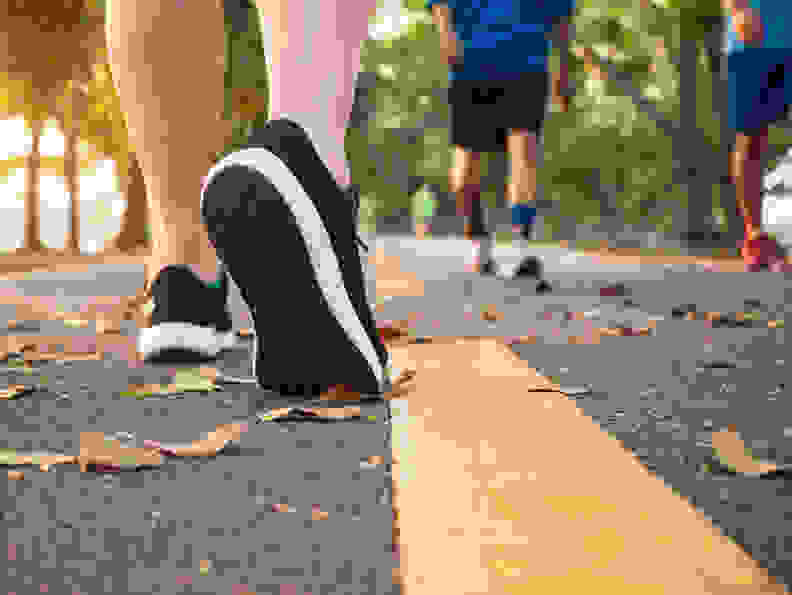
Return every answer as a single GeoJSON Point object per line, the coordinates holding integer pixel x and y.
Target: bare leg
{"type": "Point", "coordinates": [747, 175]}
{"type": "Point", "coordinates": [314, 51]}
{"type": "Point", "coordinates": [171, 91]}
{"type": "Point", "coordinates": [523, 149]}
{"type": "Point", "coordinates": [465, 178]}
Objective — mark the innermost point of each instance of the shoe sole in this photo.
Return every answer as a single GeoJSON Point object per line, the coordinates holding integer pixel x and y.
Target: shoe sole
{"type": "Point", "coordinates": [178, 342]}
{"type": "Point", "coordinates": [278, 213]}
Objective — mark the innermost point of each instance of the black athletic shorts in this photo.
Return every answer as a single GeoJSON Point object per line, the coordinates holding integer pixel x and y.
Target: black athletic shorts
{"type": "Point", "coordinates": [483, 112]}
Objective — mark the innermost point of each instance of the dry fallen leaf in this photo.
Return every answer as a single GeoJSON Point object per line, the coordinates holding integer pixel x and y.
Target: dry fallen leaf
{"type": "Point", "coordinates": [207, 447]}
{"type": "Point", "coordinates": [14, 391]}
{"type": "Point", "coordinates": [334, 412]}
{"type": "Point", "coordinates": [95, 448]}
{"type": "Point", "coordinates": [317, 514]}
{"type": "Point", "coordinates": [732, 451]}
{"type": "Point", "coordinates": [611, 332]}
{"type": "Point", "coordinates": [107, 325]}
{"type": "Point", "coordinates": [490, 314]}
{"type": "Point", "coordinates": [200, 379]}
{"type": "Point", "coordinates": [75, 322]}
{"type": "Point", "coordinates": [395, 329]}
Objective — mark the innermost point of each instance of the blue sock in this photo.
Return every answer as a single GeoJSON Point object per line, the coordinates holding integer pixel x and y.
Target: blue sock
{"type": "Point", "coordinates": [523, 217]}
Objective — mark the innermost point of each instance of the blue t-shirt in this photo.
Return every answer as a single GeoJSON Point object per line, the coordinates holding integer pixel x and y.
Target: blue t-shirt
{"type": "Point", "coordinates": [504, 39]}
{"type": "Point", "coordinates": [776, 18]}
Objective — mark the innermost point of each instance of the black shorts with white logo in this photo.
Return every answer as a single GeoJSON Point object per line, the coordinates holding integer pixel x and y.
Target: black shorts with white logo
{"type": "Point", "coordinates": [483, 112]}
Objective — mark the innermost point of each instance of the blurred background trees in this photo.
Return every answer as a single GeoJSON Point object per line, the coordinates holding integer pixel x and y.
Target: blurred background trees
{"type": "Point", "coordinates": [48, 47]}
{"type": "Point", "coordinates": [644, 142]}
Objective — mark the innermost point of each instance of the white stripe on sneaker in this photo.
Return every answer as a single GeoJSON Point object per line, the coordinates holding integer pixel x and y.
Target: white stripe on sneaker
{"type": "Point", "coordinates": [320, 249]}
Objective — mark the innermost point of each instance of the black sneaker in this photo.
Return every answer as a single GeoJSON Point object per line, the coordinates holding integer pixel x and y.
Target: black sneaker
{"type": "Point", "coordinates": [190, 321]}
{"type": "Point", "coordinates": [530, 267]}
{"type": "Point", "coordinates": [287, 234]}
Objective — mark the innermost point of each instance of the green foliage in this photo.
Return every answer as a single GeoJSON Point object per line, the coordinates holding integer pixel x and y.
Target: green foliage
{"type": "Point", "coordinates": [605, 144]}
{"type": "Point", "coordinates": [605, 131]}
{"type": "Point", "coordinates": [246, 68]}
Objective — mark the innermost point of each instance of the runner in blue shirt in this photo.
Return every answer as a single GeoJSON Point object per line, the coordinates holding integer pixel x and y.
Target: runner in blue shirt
{"type": "Point", "coordinates": [760, 91]}
{"type": "Point", "coordinates": [498, 53]}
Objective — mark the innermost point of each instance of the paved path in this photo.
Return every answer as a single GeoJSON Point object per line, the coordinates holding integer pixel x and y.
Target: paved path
{"type": "Point", "coordinates": [148, 531]}
{"type": "Point", "coordinates": [661, 395]}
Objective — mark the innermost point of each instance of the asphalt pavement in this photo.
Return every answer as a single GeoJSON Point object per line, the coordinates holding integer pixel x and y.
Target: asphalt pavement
{"type": "Point", "coordinates": [146, 531]}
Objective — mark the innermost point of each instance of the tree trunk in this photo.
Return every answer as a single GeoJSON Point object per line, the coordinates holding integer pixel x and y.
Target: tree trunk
{"type": "Point", "coordinates": [720, 100]}
{"type": "Point", "coordinates": [32, 242]}
{"type": "Point", "coordinates": [72, 176]}
{"type": "Point", "coordinates": [135, 219]}
{"type": "Point", "coordinates": [692, 172]}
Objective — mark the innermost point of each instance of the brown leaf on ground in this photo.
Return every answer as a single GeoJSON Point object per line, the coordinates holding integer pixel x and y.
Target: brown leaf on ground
{"type": "Point", "coordinates": [107, 326]}
{"type": "Point", "coordinates": [317, 514]}
{"type": "Point", "coordinates": [48, 348]}
{"type": "Point", "coordinates": [732, 451]}
{"type": "Point", "coordinates": [394, 329]}
{"type": "Point", "coordinates": [334, 412]}
{"type": "Point", "coordinates": [95, 448]}
{"type": "Point", "coordinates": [213, 443]}
{"type": "Point", "coordinates": [611, 332]}
{"type": "Point", "coordinates": [13, 391]}
{"type": "Point", "coordinates": [490, 314]}
{"type": "Point", "coordinates": [44, 460]}
{"type": "Point", "coordinates": [70, 320]}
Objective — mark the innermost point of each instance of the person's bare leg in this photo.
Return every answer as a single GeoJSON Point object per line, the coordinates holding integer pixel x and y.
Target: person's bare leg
{"type": "Point", "coordinates": [747, 176]}
{"type": "Point", "coordinates": [523, 147]}
{"type": "Point", "coordinates": [465, 183]}
{"type": "Point", "coordinates": [171, 90]}
{"type": "Point", "coordinates": [313, 49]}
{"type": "Point", "coordinates": [465, 180]}
{"type": "Point", "coordinates": [523, 150]}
